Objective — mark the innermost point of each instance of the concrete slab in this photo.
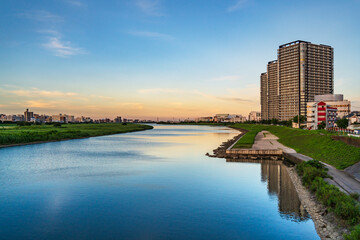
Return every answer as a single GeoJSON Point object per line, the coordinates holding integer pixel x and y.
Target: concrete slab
{"type": "Point", "coordinates": [266, 140]}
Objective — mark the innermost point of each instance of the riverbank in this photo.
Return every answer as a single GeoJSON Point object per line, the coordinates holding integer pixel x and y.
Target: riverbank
{"type": "Point", "coordinates": [325, 223]}
{"type": "Point", "coordinates": [328, 226]}
{"type": "Point", "coordinates": [317, 144]}
{"type": "Point", "coordinates": [220, 152]}
{"type": "Point", "coordinates": [24, 135]}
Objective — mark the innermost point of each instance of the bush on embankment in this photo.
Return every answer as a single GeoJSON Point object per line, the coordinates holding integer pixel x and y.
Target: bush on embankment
{"type": "Point", "coordinates": [346, 208]}
{"type": "Point", "coordinates": [354, 234]}
{"type": "Point", "coordinates": [317, 144]}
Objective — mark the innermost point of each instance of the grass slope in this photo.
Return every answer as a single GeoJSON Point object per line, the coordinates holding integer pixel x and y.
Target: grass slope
{"type": "Point", "coordinates": [316, 144]}
{"type": "Point", "coordinates": [38, 133]}
{"type": "Point", "coordinates": [247, 140]}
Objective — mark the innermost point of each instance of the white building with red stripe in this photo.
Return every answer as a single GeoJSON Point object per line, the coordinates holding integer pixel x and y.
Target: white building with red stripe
{"type": "Point", "coordinates": [320, 112]}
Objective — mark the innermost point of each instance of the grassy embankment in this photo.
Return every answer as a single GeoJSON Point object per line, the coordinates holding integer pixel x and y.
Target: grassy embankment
{"type": "Point", "coordinates": [39, 133]}
{"type": "Point", "coordinates": [345, 207]}
{"type": "Point", "coordinates": [247, 140]}
{"type": "Point", "coordinates": [316, 144]}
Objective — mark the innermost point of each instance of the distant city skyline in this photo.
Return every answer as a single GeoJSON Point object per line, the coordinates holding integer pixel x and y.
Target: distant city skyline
{"type": "Point", "coordinates": [151, 58]}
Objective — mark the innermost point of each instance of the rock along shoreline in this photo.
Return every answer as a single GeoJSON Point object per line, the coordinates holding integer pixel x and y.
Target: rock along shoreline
{"type": "Point", "coordinates": [220, 152]}
{"type": "Point", "coordinates": [326, 225]}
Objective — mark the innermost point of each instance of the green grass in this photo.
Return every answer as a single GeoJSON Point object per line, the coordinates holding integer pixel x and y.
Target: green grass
{"type": "Point", "coordinates": [247, 140]}
{"type": "Point", "coordinates": [316, 144]}
{"type": "Point", "coordinates": [345, 207]}
{"type": "Point", "coordinates": [38, 133]}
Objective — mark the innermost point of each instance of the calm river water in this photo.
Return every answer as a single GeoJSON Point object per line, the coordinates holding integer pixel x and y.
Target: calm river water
{"type": "Point", "coordinates": [155, 184]}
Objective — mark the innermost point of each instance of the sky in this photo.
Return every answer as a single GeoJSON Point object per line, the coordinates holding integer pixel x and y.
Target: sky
{"type": "Point", "coordinates": [161, 59]}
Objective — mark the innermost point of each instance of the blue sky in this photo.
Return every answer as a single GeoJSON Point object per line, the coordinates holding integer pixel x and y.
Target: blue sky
{"type": "Point", "coordinates": [161, 58]}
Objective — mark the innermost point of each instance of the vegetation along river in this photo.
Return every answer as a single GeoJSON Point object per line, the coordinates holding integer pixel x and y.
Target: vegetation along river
{"type": "Point", "coordinates": [154, 184]}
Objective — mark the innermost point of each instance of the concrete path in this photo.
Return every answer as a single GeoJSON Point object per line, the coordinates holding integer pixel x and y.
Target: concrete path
{"type": "Point", "coordinates": [346, 182]}
{"type": "Point", "coordinates": [266, 140]}
{"type": "Point", "coordinates": [354, 171]}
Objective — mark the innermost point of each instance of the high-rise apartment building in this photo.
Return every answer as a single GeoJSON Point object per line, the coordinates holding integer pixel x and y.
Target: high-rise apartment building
{"type": "Point", "coordinates": [264, 96]}
{"type": "Point", "coordinates": [301, 71]}
{"type": "Point", "coordinates": [273, 90]}
{"type": "Point", "coordinates": [305, 70]}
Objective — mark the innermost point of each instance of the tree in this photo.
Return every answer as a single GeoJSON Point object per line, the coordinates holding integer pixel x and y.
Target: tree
{"type": "Point", "coordinates": [322, 125]}
{"type": "Point", "coordinates": [342, 123]}
{"type": "Point", "coordinates": [302, 119]}
{"type": "Point", "coordinates": [23, 123]}
{"type": "Point", "coordinates": [274, 121]}
{"type": "Point", "coordinates": [57, 124]}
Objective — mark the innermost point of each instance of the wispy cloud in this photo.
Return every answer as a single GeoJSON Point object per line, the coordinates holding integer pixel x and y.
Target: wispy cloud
{"type": "Point", "coordinates": [102, 97]}
{"type": "Point", "coordinates": [153, 35]}
{"type": "Point", "coordinates": [234, 99]}
{"type": "Point", "coordinates": [223, 98]}
{"type": "Point", "coordinates": [226, 78]}
{"type": "Point", "coordinates": [54, 42]}
{"type": "Point", "coordinates": [238, 5]}
{"type": "Point", "coordinates": [59, 47]}
{"type": "Point", "coordinates": [40, 15]}
{"type": "Point", "coordinates": [39, 93]}
{"type": "Point", "coordinates": [48, 94]}
{"type": "Point", "coordinates": [40, 104]}
{"type": "Point", "coordinates": [40, 98]}
{"type": "Point", "coordinates": [150, 7]}
{"type": "Point", "coordinates": [159, 90]}
{"type": "Point", "coordinates": [138, 106]}
{"type": "Point", "coordinates": [191, 92]}
{"type": "Point", "coordinates": [62, 48]}
{"type": "Point", "coordinates": [76, 3]}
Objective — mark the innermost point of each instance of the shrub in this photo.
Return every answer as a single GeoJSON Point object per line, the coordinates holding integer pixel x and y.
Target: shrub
{"type": "Point", "coordinates": [310, 170]}
{"type": "Point", "coordinates": [322, 125]}
{"type": "Point", "coordinates": [354, 234]}
{"type": "Point", "coordinates": [343, 206]}
{"type": "Point", "coordinates": [342, 123]}
{"type": "Point", "coordinates": [57, 124]}
{"type": "Point", "coordinates": [23, 123]}
{"type": "Point", "coordinates": [355, 195]}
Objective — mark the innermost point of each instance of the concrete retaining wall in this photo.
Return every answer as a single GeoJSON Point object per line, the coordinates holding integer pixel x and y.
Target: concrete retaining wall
{"type": "Point", "coordinates": [292, 158]}
{"type": "Point", "coordinates": [255, 151]}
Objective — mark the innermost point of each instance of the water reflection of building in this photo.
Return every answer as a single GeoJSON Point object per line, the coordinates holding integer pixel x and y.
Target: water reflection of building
{"type": "Point", "coordinates": [279, 184]}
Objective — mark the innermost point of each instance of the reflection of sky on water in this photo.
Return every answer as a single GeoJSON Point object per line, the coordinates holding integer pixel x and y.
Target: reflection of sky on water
{"type": "Point", "coordinates": [153, 184]}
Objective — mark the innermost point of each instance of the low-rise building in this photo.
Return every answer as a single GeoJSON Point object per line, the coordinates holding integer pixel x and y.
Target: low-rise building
{"type": "Point", "coordinates": [353, 117]}
{"type": "Point", "coordinates": [335, 100]}
{"type": "Point", "coordinates": [63, 118]}
{"type": "Point", "coordinates": [319, 112]}
{"type": "Point", "coordinates": [222, 117]}
{"type": "Point", "coordinates": [204, 119]}
{"type": "Point", "coordinates": [254, 116]}
{"type": "Point", "coordinates": [238, 119]}
{"type": "Point", "coordinates": [118, 119]}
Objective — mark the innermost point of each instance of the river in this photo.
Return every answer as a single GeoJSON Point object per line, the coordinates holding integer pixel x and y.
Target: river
{"type": "Point", "coordinates": [155, 184]}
